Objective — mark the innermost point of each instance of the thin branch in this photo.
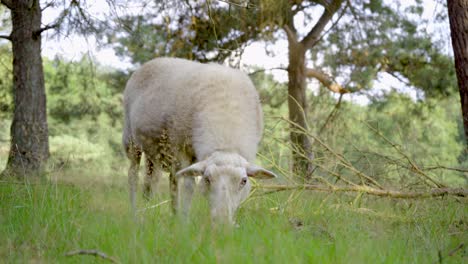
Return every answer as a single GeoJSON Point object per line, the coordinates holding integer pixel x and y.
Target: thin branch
{"type": "Point", "coordinates": [270, 69]}
{"type": "Point", "coordinates": [341, 158]}
{"type": "Point", "coordinates": [326, 80]}
{"type": "Point", "coordinates": [5, 37]}
{"type": "Point", "coordinates": [327, 15]}
{"type": "Point", "coordinates": [371, 191]}
{"type": "Point", "coordinates": [445, 168]}
{"type": "Point", "coordinates": [399, 78]}
{"type": "Point", "coordinates": [47, 27]}
{"type": "Point", "coordinates": [336, 175]}
{"type": "Point", "coordinates": [47, 5]}
{"type": "Point", "coordinates": [358, 23]}
{"type": "Point", "coordinates": [92, 252]}
{"type": "Point", "coordinates": [414, 166]}
{"type": "Point", "coordinates": [332, 26]}
{"type": "Point", "coordinates": [332, 114]}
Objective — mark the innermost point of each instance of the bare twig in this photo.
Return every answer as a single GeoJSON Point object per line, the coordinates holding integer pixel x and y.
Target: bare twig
{"type": "Point", "coordinates": [336, 175]}
{"type": "Point", "coordinates": [92, 252]}
{"type": "Point", "coordinates": [371, 191]}
{"type": "Point", "coordinates": [332, 115]}
{"type": "Point", "coordinates": [341, 158]}
{"type": "Point", "coordinates": [441, 167]}
{"type": "Point", "coordinates": [47, 5]}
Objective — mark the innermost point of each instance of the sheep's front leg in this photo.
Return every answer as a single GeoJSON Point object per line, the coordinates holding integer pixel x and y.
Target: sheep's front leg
{"type": "Point", "coordinates": [153, 174]}
{"type": "Point", "coordinates": [186, 193]}
{"type": "Point", "coordinates": [186, 190]}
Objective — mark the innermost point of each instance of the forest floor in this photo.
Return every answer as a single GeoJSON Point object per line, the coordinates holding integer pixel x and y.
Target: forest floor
{"type": "Point", "coordinates": [42, 222]}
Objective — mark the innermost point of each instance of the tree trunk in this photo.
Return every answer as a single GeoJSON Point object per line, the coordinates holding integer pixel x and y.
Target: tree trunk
{"type": "Point", "coordinates": [458, 17]}
{"type": "Point", "coordinates": [29, 148]}
{"type": "Point", "coordinates": [297, 103]}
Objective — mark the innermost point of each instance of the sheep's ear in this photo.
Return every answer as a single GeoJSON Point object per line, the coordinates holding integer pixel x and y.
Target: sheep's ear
{"type": "Point", "coordinates": [257, 172]}
{"type": "Point", "coordinates": [193, 170]}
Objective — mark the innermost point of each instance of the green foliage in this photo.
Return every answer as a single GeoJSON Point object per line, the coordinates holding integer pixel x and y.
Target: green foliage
{"type": "Point", "coordinates": [76, 90]}
{"type": "Point", "coordinates": [383, 39]}
{"type": "Point", "coordinates": [203, 31]}
{"type": "Point", "coordinates": [84, 108]}
{"type": "Point", "coordinates": [427, 131]}
{"type": "Point", "coordinates": [41, 223]}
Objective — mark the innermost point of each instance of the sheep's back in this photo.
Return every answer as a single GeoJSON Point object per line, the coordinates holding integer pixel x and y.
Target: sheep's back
{"type": "Point", "coordinates": [207, 105]}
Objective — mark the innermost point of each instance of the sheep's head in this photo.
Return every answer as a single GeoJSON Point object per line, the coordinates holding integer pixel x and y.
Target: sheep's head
{"type": "Point", "coordinates": [225, 179]}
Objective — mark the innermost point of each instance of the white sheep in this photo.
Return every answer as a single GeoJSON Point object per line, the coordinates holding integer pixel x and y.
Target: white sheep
{"type": "Point", "coordinates": [179, 112]}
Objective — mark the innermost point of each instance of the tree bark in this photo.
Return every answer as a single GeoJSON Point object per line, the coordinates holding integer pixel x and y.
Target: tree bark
{"type": "Point", "coordinates": [458, 17]}
{"type": "Point", "coordinates": [29, 148]}
{"type": "Point", "coordinates": [297, 104]}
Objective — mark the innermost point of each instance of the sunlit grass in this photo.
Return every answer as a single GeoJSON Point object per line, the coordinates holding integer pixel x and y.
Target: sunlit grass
{"type": "Point", "coordinates": [41, 222]}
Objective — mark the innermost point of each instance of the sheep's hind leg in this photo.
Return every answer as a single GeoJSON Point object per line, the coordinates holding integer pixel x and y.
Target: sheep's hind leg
{"type": "Point", "coordinates": [173, 189]}
{"type": "Point", "coordinates": [134, 154]}
{"type": "Point", "coordinates": [153, 174]}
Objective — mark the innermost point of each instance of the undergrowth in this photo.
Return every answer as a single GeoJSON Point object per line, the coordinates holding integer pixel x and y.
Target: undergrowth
{"type": "Point", "coordinates": [40, 223]}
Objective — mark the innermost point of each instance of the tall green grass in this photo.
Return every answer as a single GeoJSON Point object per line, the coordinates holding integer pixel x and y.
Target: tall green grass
{"type": "Point", "coordinates": [39, 223]}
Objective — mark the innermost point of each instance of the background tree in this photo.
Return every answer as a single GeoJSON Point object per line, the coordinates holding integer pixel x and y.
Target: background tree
{"type": "Point", "coordinates": [29, 131]}
{"type": "Point", "coordinates": [297, 84]}
{"type": "Point", "coordinates": [458, 16]}
{"type": "Point", "coordinates": [29, 144]}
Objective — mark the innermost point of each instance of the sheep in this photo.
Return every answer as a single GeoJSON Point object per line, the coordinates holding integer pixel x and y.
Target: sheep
{"type": "Point", "coordinates": [192, 119]}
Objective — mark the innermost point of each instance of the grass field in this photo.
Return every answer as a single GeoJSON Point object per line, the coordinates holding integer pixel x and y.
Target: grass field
{"type": "Point", "coordinates": [40, 223]}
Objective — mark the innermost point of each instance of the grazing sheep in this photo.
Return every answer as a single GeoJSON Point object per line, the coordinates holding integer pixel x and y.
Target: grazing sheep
{"type": "Point", "coordinates": [179, 112]}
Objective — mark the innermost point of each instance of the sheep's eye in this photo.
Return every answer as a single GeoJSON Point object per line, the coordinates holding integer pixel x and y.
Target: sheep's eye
{"type": "Point", "coordinates": [243, 182]}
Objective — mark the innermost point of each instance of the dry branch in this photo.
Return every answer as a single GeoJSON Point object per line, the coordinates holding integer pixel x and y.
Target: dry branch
{"type": "Point", "coordinates": [326, 80]}
{"type": "Point", "coordinates": [413, 164]}
{"type": "Point", "coordinates": [92, 252]}
{"type": "Point", "coordinates": [369, 190]}
{"type": "Point", "coordinates": [343, 161]}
